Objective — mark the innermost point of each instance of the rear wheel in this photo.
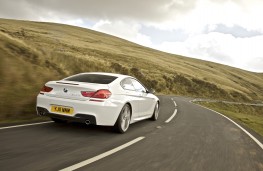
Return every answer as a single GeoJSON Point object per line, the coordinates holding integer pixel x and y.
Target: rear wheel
{"type": "Point", "coordinates": [123, 122]}
{"type": "Point", "coordinates": [58, 120]}
{"type": "Point", "coordinates": [155, 112]}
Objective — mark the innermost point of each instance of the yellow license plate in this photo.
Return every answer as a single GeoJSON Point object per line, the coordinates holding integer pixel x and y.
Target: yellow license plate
{"type": "Point", "coordinates": [62, 109]}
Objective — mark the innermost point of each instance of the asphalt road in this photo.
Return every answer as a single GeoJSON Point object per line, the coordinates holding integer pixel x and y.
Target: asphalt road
{"type": "Point", "coordinates": [194, 139]}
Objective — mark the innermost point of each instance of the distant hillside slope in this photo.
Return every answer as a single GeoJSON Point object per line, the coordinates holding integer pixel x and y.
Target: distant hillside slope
{"type": "Point", "coordinates": [33, 52]}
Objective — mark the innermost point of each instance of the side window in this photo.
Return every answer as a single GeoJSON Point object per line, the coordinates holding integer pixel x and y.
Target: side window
{"type": "Point", "coordinates": [138, 86]}
{"type": "Point", "coordinates": [127, 84]}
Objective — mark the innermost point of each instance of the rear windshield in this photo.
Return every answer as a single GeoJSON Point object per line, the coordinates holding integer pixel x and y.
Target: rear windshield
{"type": "Point", "coordinates": [92, 78]}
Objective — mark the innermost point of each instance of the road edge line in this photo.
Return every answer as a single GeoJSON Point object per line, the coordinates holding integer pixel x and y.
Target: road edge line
{"type": "Point", "coordinates": [240, 127]}
{"type": "Point", "coordinates": [103, 155]}
{"type": "Point", "coordinates": [171, 117]}
{"type": "Point", "coordinates": [23, 125]}
{"type": "Point", "coordinates": [175, 112]}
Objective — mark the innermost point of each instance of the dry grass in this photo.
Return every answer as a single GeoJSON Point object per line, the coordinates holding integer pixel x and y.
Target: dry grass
{"type": "Point", "coordinates": [34, 52]}
{"type": "Point", "coordinates": [251, 116]}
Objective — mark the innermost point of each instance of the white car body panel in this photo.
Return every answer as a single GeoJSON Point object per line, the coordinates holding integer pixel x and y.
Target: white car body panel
{"type": "Point", "coordinates": [105, 111]}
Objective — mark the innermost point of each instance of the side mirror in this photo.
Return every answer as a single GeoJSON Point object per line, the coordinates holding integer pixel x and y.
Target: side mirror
{"type": "Point", "coordinates": [151, 91]}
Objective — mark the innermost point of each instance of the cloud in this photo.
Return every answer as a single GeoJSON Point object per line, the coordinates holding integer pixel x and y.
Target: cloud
{"type": "Point", "coordinates": [246, 53]}
{"type": "Point", "coordinates": [214, 12]}
{"type": "Point", "coordinates": [235, 30]}
{"type": "Point", "coordinates": [206, 46]}
{"type": "Point", "coordinates": [192, 16]}
{"type": "Point", "coordinates": [149, 10]}
{"type": "Point", "coordinates": [255, 64]}
{"type": "Point", "coordinates": [16, 9]}
{"type": "Point", "coordinates": [126, 30]}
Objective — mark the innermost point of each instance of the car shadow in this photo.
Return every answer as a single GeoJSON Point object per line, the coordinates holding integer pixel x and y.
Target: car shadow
{"type": "Point", "coordinates": [83, 129]}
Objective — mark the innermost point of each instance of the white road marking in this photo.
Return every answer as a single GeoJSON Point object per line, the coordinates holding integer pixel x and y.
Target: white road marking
{"type": "Point", "coordinates": [173, 115]}
{"type": "Point", "coordinates": [16, 126]}
{"type": "Point", "coordinates": [245, 131]}
{"type": "Point", "coordinates": [100, 156]}
{"type": "Point", "coordinates": [227, 102]}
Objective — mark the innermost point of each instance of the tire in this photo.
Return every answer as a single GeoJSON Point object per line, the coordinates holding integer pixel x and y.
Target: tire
{"type": "Point", "coordinates": [123, 122]}
{"type": "Point", "coordinates": [156, 112]}
{"type": "Point", "coordinates": [56, 120]}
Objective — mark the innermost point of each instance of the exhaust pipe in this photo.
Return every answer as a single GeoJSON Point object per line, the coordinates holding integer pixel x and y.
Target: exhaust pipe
{"type": "Point", "coordinates": [41, 113]}
{"type": "Point", "coordinates": [87, 122]}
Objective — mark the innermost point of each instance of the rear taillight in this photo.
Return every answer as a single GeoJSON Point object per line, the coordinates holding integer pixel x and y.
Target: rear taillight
{"type": "Point", "coordinates": [100, 94]}
{"type": "Point", "coordinates": [88, 93]}
{"type": "Point", "coordinates": [46, 89]}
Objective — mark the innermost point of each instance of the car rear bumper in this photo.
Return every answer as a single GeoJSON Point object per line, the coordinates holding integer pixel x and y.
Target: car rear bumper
{"type": "Point", "coordinates": [83, 118]}
{"type": "Point", "coordinates": [98, 113]}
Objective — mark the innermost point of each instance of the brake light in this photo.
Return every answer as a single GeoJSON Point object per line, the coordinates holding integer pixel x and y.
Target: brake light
{"type": "Point", "coordinates": [100, 94]}
{"type": "Point", "coordinates": [88, 93]}
{"type": "Point", "coordinates": [46, 89]}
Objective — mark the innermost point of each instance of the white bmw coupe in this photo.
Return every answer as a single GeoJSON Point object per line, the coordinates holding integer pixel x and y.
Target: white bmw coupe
{"type": "Point", "coordinates": [98, 98]}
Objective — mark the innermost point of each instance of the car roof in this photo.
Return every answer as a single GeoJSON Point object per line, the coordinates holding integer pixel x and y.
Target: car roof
{"type": "Point", "coordinates": [106, 73]}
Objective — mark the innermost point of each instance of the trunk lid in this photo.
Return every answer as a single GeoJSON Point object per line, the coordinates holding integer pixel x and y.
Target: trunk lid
{"type": "Point", "coordinates": [72, 90]}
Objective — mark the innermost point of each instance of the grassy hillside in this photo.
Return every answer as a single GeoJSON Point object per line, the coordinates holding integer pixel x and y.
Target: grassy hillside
{"type": "Point", "coordinates": [250, 116]}
{"type": "Point", "coordinates": [32, 53]}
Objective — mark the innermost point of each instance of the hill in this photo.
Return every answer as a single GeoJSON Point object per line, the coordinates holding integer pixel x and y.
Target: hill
{"type": "Point", "coordinates": [35, 52]}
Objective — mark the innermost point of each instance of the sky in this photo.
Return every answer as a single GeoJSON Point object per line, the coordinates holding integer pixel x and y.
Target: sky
{"type": "Point", "coordinates": [224, 31]}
